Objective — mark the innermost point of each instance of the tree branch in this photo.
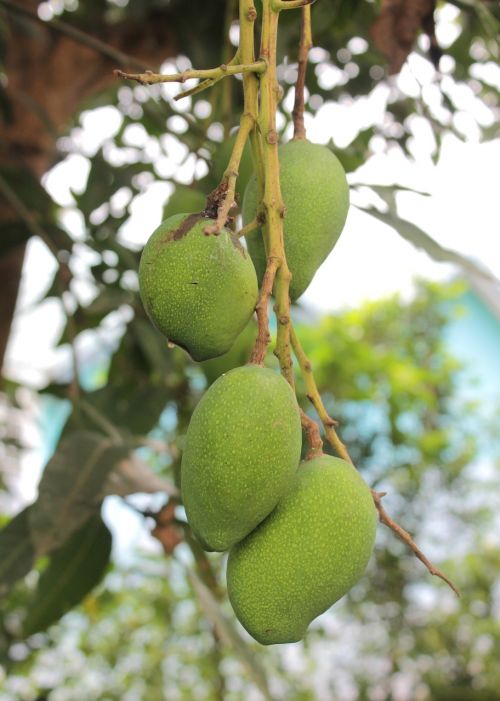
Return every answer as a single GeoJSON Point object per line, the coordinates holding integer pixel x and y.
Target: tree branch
{"type": "Point", "coordinates": [77, 35]}
{"type": "Point", "coordinates": [299, 131]}
{"type": "Point", "coordinates": [207, 74]}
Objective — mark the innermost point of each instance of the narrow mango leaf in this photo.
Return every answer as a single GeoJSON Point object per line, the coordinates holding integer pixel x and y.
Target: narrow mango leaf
{"type": "Point", "coordinates": [17, 552]}
{"type": "Point", "coordinates": [70, 487]}
{"type": "Point", "coordinates": [228, 633]}
{"type": "Point", "coordinates": [134, 475]}
{"type": "Point", "coordinates": [414, 235]}
{"type": "Point", "coordinates": [72, 572]}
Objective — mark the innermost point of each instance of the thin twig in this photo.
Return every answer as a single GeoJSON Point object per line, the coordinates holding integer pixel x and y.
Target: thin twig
{"type": "Point", "coordinates": [262, 310]}
{"type": "Point", "coordinates": [247, 123]}
{"type": "Point", "coordinates": [332, 437]}
{"type": "Point", "coordinates": [77, 35]}
{"type": "Point", "coordinates": [278, 5]}
{"type": "Point", "coordinates": [311, 430]}
{"type": "Point", "coordinates": [408, 540]}
{"type": "Point", "coordinates": [299, 130]}
{"type": "Point", "coordinates": [250, 227]}
{"type": "Point", "coordinates": [225, 69]}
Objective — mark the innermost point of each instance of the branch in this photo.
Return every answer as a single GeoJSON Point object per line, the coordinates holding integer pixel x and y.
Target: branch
{"type": "Point", "coordinates": [250, 227]}
{"type": "Point", "coordinates": [299, 131]}
{"type": "Point", "coordinates": [272, 200]}
{"type": "Point", "coordinates": [311, 429]}
{"type": "Point", "coordinates": [408, 540]}
{"type": "Point", "coordinates": [331, 434]}
{"type": "Point", "coordinates": [207, 74]}
{"type": "Point", "coordinates": [77, 35]}
{"type": "Point", "coordinates": [279, 5]}
{"type": "Point", "coordinates": [247, 123]}
{"type": "Point", "coordinates": [262, 310]}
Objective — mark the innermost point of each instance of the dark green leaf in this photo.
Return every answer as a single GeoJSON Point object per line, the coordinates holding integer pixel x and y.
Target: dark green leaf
{"type": "Point", "coordinates": [17, 552]}
{"type": "Point", "coordinates": [72, 572]}
{"type": "Point", "coordinates": [70, 487]}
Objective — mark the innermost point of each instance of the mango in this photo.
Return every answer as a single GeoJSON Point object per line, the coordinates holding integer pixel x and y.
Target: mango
{"type": "Point", "coordinates": [199, 291]}
{"type": "Point", "coordinates": [306, 555]}
{"type": "Point", "coordinates": [242, 448]}
{"type": "Point", "coordinates": [316, 196]}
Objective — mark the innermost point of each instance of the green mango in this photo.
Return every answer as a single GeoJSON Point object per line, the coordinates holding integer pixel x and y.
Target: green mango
{"type": "Point", "coordinates": [185, 198]}
{"type": "Point", "coordinates": [199, 291]}
{"type": "Point", "coordinates": [242, 448]}
{"type": "Point", "coordinates": [306, 555]}
{"type": "Point", "coordinates": [220, 162]}
{"type": "Point", "coordinates": [237, 355]}
{"type": "Point", "coordinates": [316, 196]}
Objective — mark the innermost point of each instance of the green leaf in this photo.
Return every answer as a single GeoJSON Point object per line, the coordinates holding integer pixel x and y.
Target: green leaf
{"type": "Point", "coordinates": [17, 552]}
{"type": "Point", "coordinates": [414, 235]}
{"type": "Point", "coordinates": [72, 572]}
{"type": "Point", "coordinates": [228, 633]}
{"type": "Point", "coordinates": [71, 486]}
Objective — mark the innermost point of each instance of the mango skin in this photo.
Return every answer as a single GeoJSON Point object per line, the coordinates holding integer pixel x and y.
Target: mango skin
{"type": "Point", "coordinates": [306, 555]}
{"type": "Point", "coordinates": [242, 449]}
{"type": "Point", "coordinates": [199, 291]}
{"type": "Point", "coordinates": [316, 196]}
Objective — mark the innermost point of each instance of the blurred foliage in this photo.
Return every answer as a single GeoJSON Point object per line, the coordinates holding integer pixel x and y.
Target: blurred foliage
{"type": "Point", "coordinates": [150, 629]}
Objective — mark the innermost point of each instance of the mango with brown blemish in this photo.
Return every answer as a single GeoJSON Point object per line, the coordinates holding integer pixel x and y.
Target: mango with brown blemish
{"type": "Point", "coordinates": [199, 290]}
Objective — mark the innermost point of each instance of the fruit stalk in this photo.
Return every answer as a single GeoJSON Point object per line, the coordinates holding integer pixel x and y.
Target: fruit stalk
{"type": "Point", "coordinates": [331, 434]}
{"type": "Point", "coordinates": [277, 269]}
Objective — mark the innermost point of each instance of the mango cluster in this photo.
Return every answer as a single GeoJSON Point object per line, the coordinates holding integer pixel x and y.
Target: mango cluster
{"type": "Point", "coordinates": [299, 534]}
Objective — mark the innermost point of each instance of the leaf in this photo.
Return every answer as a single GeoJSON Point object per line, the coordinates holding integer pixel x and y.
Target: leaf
{"type": "Point", "coordinates": [228, 633]}
{"type": "Point", "coordinates": [414, 235]}
{"type": "Point", "coordinates": [395, 30]}
{"type": "Point", "coordinates": [17, 552]}
{"type": "Point", "coordinates": [134, 475]}
{"type": "Point", "coordinates": [71, 485]}
{"type": "Point", "coordinates": [72, 572]}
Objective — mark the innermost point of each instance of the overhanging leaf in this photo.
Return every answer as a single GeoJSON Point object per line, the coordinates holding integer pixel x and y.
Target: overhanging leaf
{"type": "Point", "coordinates": [416, 236]}
{"type": "Point", "coordinates": [72, 572]}
{"type": "Point", "coordinates": [17, 552]}
{"type": "Point", "coordinates": [70, 487]}
{"type": "Point", "coordinates": [228, 633]}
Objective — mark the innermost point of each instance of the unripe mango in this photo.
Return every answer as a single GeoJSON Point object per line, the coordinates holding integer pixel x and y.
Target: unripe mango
{"type": "Point", "coordinates": [242, 448]}
{"type": "Point", "coordinates": [306, 555]}
{"type": "Point", "coordinates": [199, 291]}
{"type": "Point", "coordinates": [316, 196]}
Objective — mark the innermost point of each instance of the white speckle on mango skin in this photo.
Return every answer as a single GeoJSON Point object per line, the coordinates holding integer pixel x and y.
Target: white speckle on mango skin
{"type": "Point", "coordinates": [199, 291]}
{"type": "Point", "coordinates": [242, 449]}
{"type": "Point", "coordinates": [306, 555]}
